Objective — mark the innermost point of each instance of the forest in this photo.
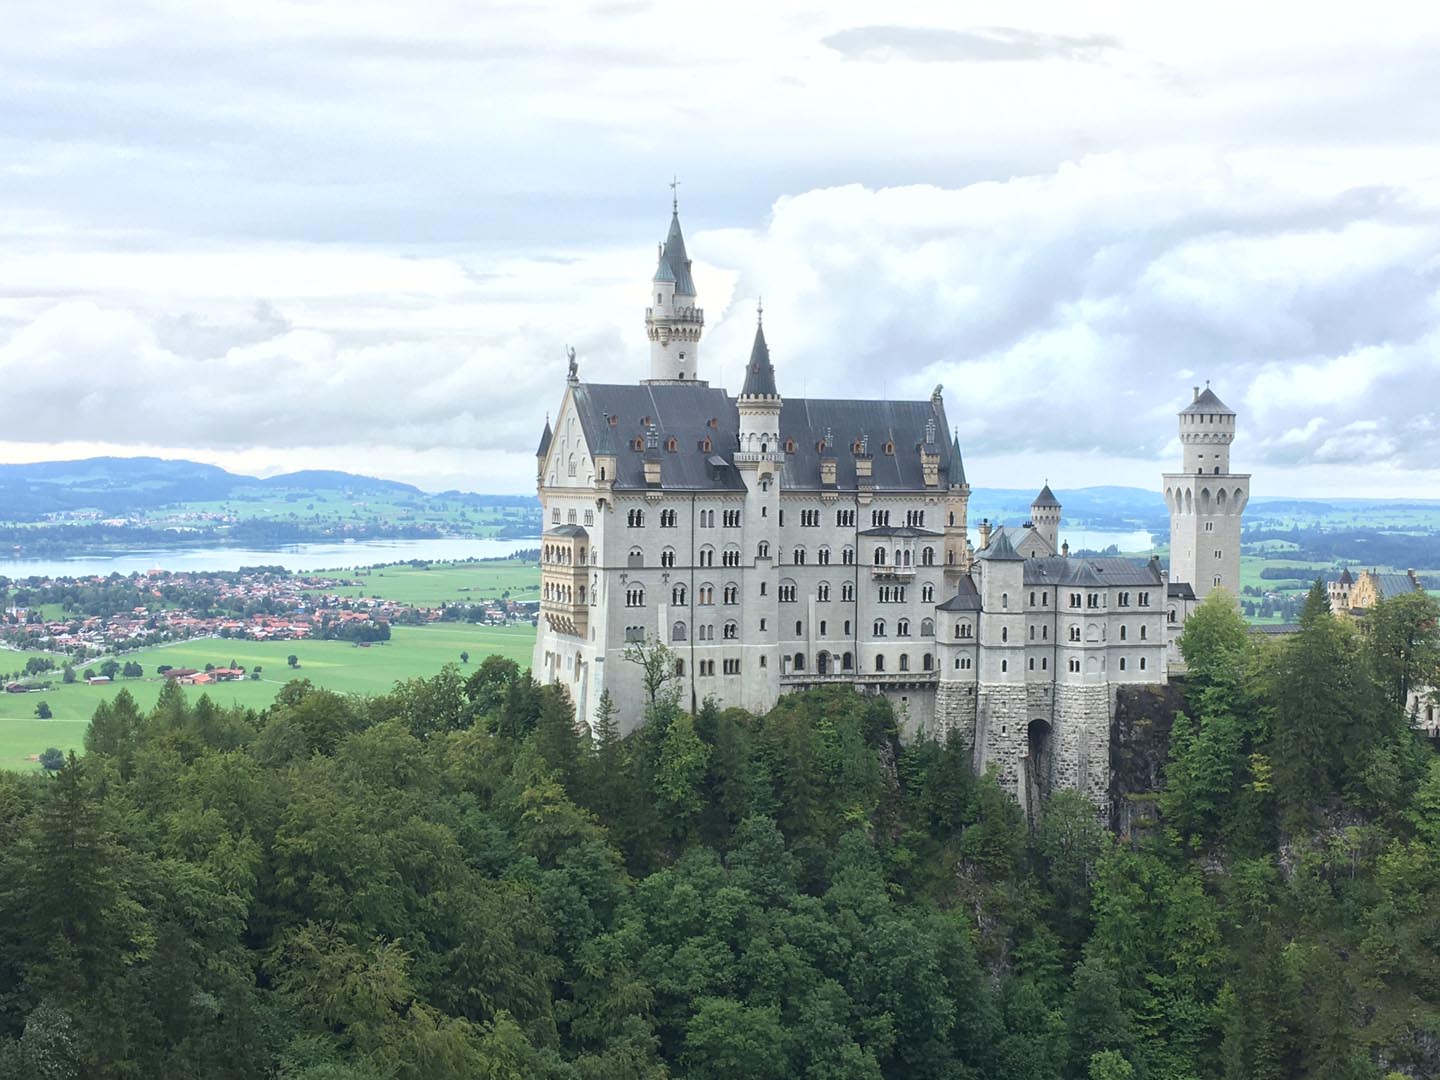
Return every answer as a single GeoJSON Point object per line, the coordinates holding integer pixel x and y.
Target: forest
{"type": "Point", "coordinates": [452, 880]}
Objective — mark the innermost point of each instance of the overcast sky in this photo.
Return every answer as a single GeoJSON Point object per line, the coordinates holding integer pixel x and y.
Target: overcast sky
{"type": "Point", "coordinates": [359, 234]}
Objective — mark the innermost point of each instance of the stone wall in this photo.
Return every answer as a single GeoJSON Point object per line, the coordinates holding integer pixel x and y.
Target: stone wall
{"type": "Point", "coordinates": [955, 711]}
{"type": "Point", "coordinates": [1082, 739]}
{"type": "Point", "coordinates": [1000, 723]}
{"type": "Point", "coordinates": [1139, 745]}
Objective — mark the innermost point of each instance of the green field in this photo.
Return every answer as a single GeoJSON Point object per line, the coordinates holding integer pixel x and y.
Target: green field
{"type": "Point", "coordinates": [335, 665]}
{"type": "Point", "coordinates": [330, 508]}
{"type": "Point", "coordinates": [440, 583]}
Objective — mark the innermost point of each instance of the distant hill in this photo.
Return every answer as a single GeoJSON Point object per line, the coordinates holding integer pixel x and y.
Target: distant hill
{"type": "Point", "coordinates": [117, 485]}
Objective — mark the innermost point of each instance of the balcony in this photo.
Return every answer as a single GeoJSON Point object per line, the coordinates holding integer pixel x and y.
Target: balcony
{"type": "Point", "coordinates": [892, 573]}
{"type": "Point", "coordinates": [679, 315]}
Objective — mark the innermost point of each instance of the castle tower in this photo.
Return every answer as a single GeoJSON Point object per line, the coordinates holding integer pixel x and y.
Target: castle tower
{"type": "Point", "coordinates": [674, 323]}
{"type": "Point", "coordinates": [1206, 500]}
{"type": "Point", "coordinates": [1001, 695]}
{"type": "Point", "coordinates": [1045, 516]}
{"type": "Point", "coordinates": [759, 460]}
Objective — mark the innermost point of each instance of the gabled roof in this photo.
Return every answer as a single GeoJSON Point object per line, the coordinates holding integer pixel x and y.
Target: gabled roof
{"type": "Point", "coordinates": [1207, 402]}
{"type": "Point", "coordinates": [967, 598]}
{"type": "Point", "coordinates": [1179, 590]}
{"type": "Point", "coordinates": [545, 437]}
{"type": "Point", "coordinates": [1108, 570]}
{"type": "Point", "coordinates": [760, 372]}
{"type": "Point", "coordinates": [674, 262]}
{"type": "Point", "coordinates": [1046, 498]}
{"type": "Point", "coordinates": [1000, 550]}
{"type": "Point", "coordinates": [901, 531]}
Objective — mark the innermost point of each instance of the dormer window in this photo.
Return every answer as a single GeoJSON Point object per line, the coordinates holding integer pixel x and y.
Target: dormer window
{"type": "Point", "coordinates": [855, 447]}
{"type": "Point", "coordinates": [672, 444]}
{"type": "Point", "coordinates": [889, 449]}
{"type": "Point", "coordinates": [638, 444]}
{"type": "Point", "coordinates": [706, 445]}
{"type": "Point", "coordinates": [614, 420]}
{"type": "Point", "coordinates": [789, 446]}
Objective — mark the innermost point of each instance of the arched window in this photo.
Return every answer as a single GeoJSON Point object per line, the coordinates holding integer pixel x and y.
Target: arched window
{"type": "Point", "coordinates": [732, 593]}
{"type": "Point", "coordinates": [762, 550]}
{"type": "Point", "coordinates": [797, 556]}
{"type": "Point", "coordinates": [927, 557]}
{"type": "Point", "coordinates": [680, 668]}
{"type": "Point", "coordinates": [1004, 599]}
{"type": "Point", "coordinates": [797, 662]}
{"type": "Point", "coordinates": [927, 593]}
{"type": "Point", "coordinates": [904, 661]}
{"type": "Point", "coordinates": [880, 663]}
{"type": "Point", "coordinates": [677, 596]}
{"type": "Point", "coordinates": [1124, 631]}
{"type": "Point", "coordinates": [879, 556]}
{"type": "Point", "coordinates": [636, 558]}
{"type": "Point", "coordinates": [707, 556]}
{"type": "Point", "coordinates": [667, 557]}
{"type": "Point", "coordinates": [1144, 634]}
{"type": "Point", "coordinates": [902, 628]}
{"type": "Point", "coordinates": [635, 596]}
{"type": "Point", "coordinates": [927, 627]}
{"type": "Point", "coordinates": [878, 628]}
{"type": "Point", "coordinates": [928, 663]}
{"type": "Point", "coordinates": [822, 591]}
{"type": "Point", "coordinates": [1004, 633]}
{"type": "Point", "coordinates": [847, 555]}
{"type": "Point", "coordinates": [847, 591]}
{"type": "Point", "coordinates": [677, 632]}
{"type": "Point", "coordinates": [823, 556]}
{"type": "Point", "coordinates": [847, 662]}
{"type": "Point", "coordinates": [732, 630]}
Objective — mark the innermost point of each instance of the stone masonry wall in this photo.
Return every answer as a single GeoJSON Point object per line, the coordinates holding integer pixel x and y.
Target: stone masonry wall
{"type": "Point", "coordinates": [955, 711]}
{"type": "Point", "coordinates": [1082, 740]}
{"type": "Point", "coordinates": [1000, 732]}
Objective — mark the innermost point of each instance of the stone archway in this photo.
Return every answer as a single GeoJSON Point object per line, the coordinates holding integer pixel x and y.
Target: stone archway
{"type": "Point", "coordinates": [1039, 766]}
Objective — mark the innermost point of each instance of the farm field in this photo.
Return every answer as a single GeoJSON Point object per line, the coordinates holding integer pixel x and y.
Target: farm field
{"type": "Point", "coordinates": [334, 665]}
{"type": "Point", "coordinates": [440, 583]}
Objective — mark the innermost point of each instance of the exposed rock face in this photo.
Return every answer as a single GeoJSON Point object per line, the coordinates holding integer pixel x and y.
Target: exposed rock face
{"type": "Point", "coordinates": [1139, 744]}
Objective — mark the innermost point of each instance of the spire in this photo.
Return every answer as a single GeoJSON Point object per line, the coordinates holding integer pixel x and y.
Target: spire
{"type": "Point", "coordinates": [1046, 498]}
{"type": "Point", "coordinates": [674, 262]}
{"type": "Point", "coordinates": [760, 374]}
{"type": "Point", "coordinates": [545, 437]}
{"type": "Point", "coordinates": [957, 463]}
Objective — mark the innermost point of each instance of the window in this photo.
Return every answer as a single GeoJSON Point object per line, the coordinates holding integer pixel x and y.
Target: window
{"type": "Point", "coordinates": [847, 556]}
{"type": "Point", "coordinates": [845, 518]}
{"type": "Point", "coordinates": [1032, 597]}
{"type": "Point", "coordinates": [707, 667]}
{"type": "Point", "coordinates": [570, 516]}
{"type": "Point", "coordinates": [706, 519]}
{"type": "Point", "coordinates": [964, 630]}
{"type": "Point", "coordinates": [797, 662]}
{"type": "Point", "coordinates": [732, 666]}
{"type": "Point", "coordinates": [1145, 596]}
{"type": "Point", "coordinates": [1032, 631]}
{"type": "Point", "coordinates": [880, 663]}
{"type": "Point", "coordinates": [1004, 634]}
{"type": "Point", "coordinates": [680, 668]}
{"type": "Point", "coordinates": [668, 519]}
{"type": "Point", "coordinates": [1144, 633]}
{"type": "Point", "coordinates": [1122, 663]}
{"type": "Point", "coordinates": [799, 628]}
{"type": "Point", "coordinates": [915, 519]}
{"type": "Point", "coordinates": [927, 556]}
{"type": "Point", "coordinates": [730, 557]}
{"type": "Point", "coordinates": [732, 630]}
{"type": "Point", "coordinates": [1075, 599]}
{"type": "Point", "coordinates": [927, 594]}
{"type": "Point", "coordinates": [1124, 631]}
{"type": "Point", "coordinates": [822, 557]}
{"type": "Point", "coordinates": [847, 592]}
{"type": "Point", "coordinates": [1122, 599]}
{"type": "Point", "coordinates": [1032, 663]}
{"type": "Point", "coordinates": [635, 519]}
{"type": "Point", "coordinates": [1219, 554]}
{"type": "Point", "coordinates": [667, 557]}
{"type": "Point", "coordinates": [732, 593]}
{"type": "Point", "coordinates": [809, 519]}
{"type": "Point", "coordinates": [634, 633]}
{"type": "Point", "coordinates": [636, 558]}
{"type": "Point", "coordinates": [847, 662]}
{"type": "Point", "coordinates": [677, 596]}
{"type": "Point", "coordinates": [798, 556]}
{"type": "Point", "coordinates": [878, 629]}
{"type": "Point", "coordinates": [1004, 599]}
{"type": "Point", "coordinates": [847, 627]}
{"type": "Point", "coordinates": [962, 663]}
{"type": "Point", "coordinates": [879, 556]}
{"type": "Point", "coordinates": [822, 627]}
{"type": "Point", "coordinates": [1142, 663]}
{"type": "Point", "coordinates": [1044, 663]}
{"type": "Point", "coordinates": [731, 519]}
{"type": "Point", "coordinates": [902, 628]}
{"type": "Point", "coordinates": [555, 516]}
{"type": "Point", "coordinates": [928, 663]}
{"type": "Point", "coordinates": [677, 632]}
{"type": "Point", "coordinates": [782, 518]}
{"type": "Point", "coordinates": [705, 595]}
{"type": "Point", "coordinates": [762, 628]}
{"type": "Point", "coordinates": [762, 550]}
{"type": "Point", "coordinates": [1004, 665]}
{"type": "Point", "coordinates": [787, 593]}
{"type": "Point", "coordinates": [1092, 600]}
{"type": "Point", "coordinates": [707, 556]}
{"type": "Point", "coordinates": [635, 596]}
{"type": "Point", "coordinates": [904, 661]}
{"type": "Point", "coordinates": [927, 628]}
{"type": "Point", "coordinates": [822, 591]}
{"type": "Point", "coordinates": [1075, 632]}
{"type": "Point", "coordinates": [879, 518]}
{"type": "Point", "coordinates": [1073, 665]}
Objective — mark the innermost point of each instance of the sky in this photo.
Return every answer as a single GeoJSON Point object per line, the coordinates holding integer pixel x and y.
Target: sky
{"type": "Point", "coordinates": [360, 235]}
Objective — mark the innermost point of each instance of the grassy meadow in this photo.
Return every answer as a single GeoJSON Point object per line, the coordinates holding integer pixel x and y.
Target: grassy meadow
{"type": "Point", "coordinates": [335, 665]}
{"type": "Point", "coordinates": [441, 583]}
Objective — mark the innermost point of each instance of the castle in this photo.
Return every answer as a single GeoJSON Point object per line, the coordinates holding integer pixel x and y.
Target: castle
{"type": "Point", "coordinates": [777, 543]}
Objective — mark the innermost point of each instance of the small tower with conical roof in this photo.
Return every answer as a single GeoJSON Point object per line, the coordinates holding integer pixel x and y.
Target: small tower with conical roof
{"type": "Point", "coordinates": [1206, 499]}
{"type": "Point", "coordinates": [674, 322]}
{"type": "Point", "coordinates": [1045, 516]}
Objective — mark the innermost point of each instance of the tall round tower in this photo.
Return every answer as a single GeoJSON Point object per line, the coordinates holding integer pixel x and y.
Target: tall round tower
{"type": "Point", "coordinates": [1206, 500]}
{"type": "Point", "coordinates": [1045, 516]}
{"type": "Point", "coordinates": [674, 322]}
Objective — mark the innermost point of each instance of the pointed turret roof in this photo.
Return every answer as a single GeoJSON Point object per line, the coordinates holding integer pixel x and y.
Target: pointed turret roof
{"type": "Point", "coordinates": [545, 437]}
{"type": "Point", "coordinates": [760, 373]}
{"type": "Point", "coordinates": [1000, 549]}
{"type": "Point", "coordinates": [957, 463]}
{"type": "Point", "coordinates": [1207, 402]}
{"type": "Point", "coordinates": [674, 263]}
{"type": "Point", "coordinates": [1045, 498]}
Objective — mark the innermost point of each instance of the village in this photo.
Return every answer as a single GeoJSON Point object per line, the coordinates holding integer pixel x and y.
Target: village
{"type": "Point", "coordinates": [91, 617]}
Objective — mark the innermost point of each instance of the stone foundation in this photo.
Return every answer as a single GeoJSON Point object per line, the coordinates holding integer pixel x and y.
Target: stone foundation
{"type": "Point", "coordinates": [955, 712]}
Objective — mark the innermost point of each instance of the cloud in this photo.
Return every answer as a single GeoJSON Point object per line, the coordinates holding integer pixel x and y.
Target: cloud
{"type": "Point", "coordinates": [991, 44]}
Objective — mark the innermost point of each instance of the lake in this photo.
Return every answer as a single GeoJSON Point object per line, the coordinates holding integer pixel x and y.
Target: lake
{"type": "Point", "coordinates": [297, 557]}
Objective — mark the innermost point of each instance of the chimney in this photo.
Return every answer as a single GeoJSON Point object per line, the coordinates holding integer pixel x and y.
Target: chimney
{"type": "Point", "coordinates": [984, 533]}
{"type": "Point", "coordinates": [1197, 394]}
{"type": "Point", "coordinates": [1065, 548]}
{"type": "Point", "coordinates": [863, 462]}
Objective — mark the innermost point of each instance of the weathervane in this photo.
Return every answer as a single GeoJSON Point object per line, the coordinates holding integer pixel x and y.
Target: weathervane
{"type": "Point", "coordinates": [675, 193]}
{"type": "Point", "coordinates": [759, 311]}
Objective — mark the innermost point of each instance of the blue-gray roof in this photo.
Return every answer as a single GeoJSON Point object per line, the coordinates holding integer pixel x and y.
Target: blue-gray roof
{"type": "Point", "coordinates": [1091, 571]}
{"type": "Point", "coordinates": [1207, 402]}
{"type": "Point", "coordinates": [691, 412]}
{"type": "Point", "coordinates": [1000, 550]}
{"type": "Point", "coordinates": [966, 598]}
{"type": "Point", "coordinates": [674, 262]}
{"type": "Point", "coordinates": [545, 437]}
{"type": "Point", "coordinates": [760, 372]}
{"type": "Point", "coordinates": [1046, 498]}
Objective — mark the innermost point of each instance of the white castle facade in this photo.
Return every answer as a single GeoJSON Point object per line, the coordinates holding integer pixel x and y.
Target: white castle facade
{"type": "Point", "coordinates": [775, 544]}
